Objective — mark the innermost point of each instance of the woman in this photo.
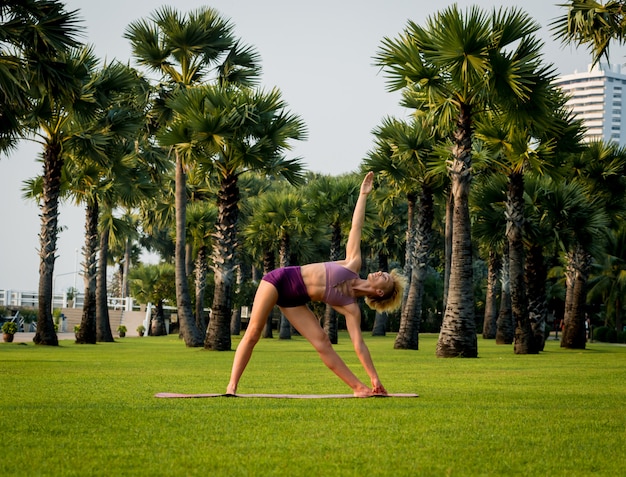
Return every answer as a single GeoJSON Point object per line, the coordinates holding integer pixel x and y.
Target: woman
{"type": "Point", "coordinates": [335, 283]}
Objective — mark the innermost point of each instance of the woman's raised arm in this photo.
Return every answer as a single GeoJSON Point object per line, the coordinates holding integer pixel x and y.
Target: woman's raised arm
{"type": "Point", "coordinates": [353, 247]}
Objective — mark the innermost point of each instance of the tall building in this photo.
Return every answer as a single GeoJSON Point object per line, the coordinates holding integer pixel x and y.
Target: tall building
{"type": "Point", "coordinates": [596, 97]}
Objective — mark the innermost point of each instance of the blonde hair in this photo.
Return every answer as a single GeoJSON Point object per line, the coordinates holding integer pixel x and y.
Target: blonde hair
{"type": "Point", "coordinates": [391, 301]}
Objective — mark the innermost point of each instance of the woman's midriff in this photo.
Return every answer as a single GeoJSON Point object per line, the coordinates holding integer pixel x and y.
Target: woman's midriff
{"type": "Point", "coordinates": [314, 277]}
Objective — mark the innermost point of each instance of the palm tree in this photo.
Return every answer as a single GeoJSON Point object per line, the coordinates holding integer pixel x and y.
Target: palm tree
{"type": "Point", "coordinates": [579, 223]}
{"type": "Point", "coordinates": [252, 187]}
{"type": "Point", "coordinates": [103, 325]}
{"type": "Point", "coordinates": [600, 167]}
{"type": "Point", "coordinates": [541, 248]}
{"type": "Point", "coordinates": [608, 283]}
{"type": "Point", "coordinates": [85, 127]}
{"type": "Point", "coordinates": [188, 50]}
{"type": "Point", "coordinates": [150, 160]}
{"type": "Point", "coordinates": [154, 284]}
{"type": "Point", "coordinates": [401, 154]}
{"type": "Point", "coordinates": [124, 250]}
{"type": "Point", "coordinates": [454, 68]}
{"type": "Point", "coordinates": [88, 331]}
{"type": "Point", "coordinates": [40, 83]}
{"type": "Point", "coordinates": [579, 260]}
{"type": "Point", "coordinates": [598, 171]}
{"type": "Point", "coordinates": [286, 210]}
{"type": "Point", "coordinates": [127, 179]}
{"type": "Point", "coordinates": [280, 216]}
{"type": "Point", "coordinates": [488, 209]}
{"type": "Point", "coordinates": [387, 241]}
{"type": "Point", "coordinates": [521, 147]}
{"type": "Point", "coordinates": [101, 187]}
{"type": "Point", "coordinates": [32, 34]}
{"type": "Point", "coordinates": [158, 220]}
{"type": "Point", "coordinates": [505, 324]}
{"type": "Point", "coordinates": [102, 172]}
{"type": "Point", "coordinates": [201, 217]}
{"type": "Point", "coordinates": [230, 130]}
{"type": "Point", "coordinates": [259, 238]}
{"type": "Point", "coordinates": [593, 24]}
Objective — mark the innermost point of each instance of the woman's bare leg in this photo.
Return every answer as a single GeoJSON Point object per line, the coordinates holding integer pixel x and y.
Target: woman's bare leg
{"type": "Point", "coordinates": [307, 325]}
{"type": "Point", "coordinates": [264, 301]}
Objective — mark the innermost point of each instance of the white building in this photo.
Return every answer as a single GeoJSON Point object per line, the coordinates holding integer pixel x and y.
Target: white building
{"type": "Point", "coordinates": [597, 97]}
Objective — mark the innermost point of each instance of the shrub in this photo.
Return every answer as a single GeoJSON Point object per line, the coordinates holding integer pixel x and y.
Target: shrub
{"type": "Point", "coordinates": [600, 333]}
{"type": "Point", "coordinates": [611, 335]}
{"type": "Point", "coordinates": [9, 328]}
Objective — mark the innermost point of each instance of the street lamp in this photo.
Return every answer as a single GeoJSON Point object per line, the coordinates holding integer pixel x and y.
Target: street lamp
{"type": "Point", "coordinates": [55, 280]}
{"type": "Point", "coordinates": [75, 267]}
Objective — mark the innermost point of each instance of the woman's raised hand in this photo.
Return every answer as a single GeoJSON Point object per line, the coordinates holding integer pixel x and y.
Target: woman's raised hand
{"type": "Point", "coordinates": [366, 186]}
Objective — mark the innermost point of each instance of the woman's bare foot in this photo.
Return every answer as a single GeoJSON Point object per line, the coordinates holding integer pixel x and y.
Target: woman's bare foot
{"type": "Point", "coordinates": [232, 390]}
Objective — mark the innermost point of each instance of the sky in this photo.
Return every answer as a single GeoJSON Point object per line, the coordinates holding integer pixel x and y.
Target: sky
{"type": "Point", "coordinates": [319, 54]}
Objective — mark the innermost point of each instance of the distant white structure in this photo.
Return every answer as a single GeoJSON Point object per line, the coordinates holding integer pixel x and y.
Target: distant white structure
{"type": "Point", "coordinates": [597, 97]}
{"type": "Point", "coordinates": [12, 298]}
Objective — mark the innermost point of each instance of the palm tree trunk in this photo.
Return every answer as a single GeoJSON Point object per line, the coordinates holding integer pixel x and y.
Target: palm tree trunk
{"type": "Point", "coordinates": [505, 326]}
{"type": "Point", "coordinates": [380, 324]}
{"type": "Point", "coordinates": [331, 324]}
{"type": "Point", "coordinates": [188, 329]}
{"type": "Point", "coordinates": [126, 268]}
{"type": "Point", "coordinates": [618, 316]}
{"type": "Point", "coordinates": [380, 319]}
{"type": "Point", "coordinates": [87, 331]}
{"type": "Point", "coordinates": [457, 337]}
{"type": "Point", "coordinates": [235, 321]}
{"type": "Point", "coordinates": [269, 263]}
{"type": "Point", "coordinates": [330, 315]}
{"type": "Point", "coordinates": [189, 262]}
{"type": "Point", "coordinates": [536, 277]}
{"type": "Point", "coordinates": [201, 270]}
{"type": "Point", "coordinates": [53, 165]}
{"type": "Point", "coordinates": [578, 264]}
{"type": "Point", "coordinates": [103, 324]}
{"type": "Point", "coordinates": [235, 317]}
{"type": "Point", "coordinates": [411, 198]}
{"type": "Point", "coordinates": [284, 331]}
{"type": "Point", "coordinates": [224, 246]}
{"type": "Point", "coordinates": [410, 320]}
{"type": "Point", "coordinates": [491, 297]}
{"type": "Point", "coordinates": [407, 337]}
{"type": "Point", "coordinates": [524, 338]}
{"type": "Point", "coordinates": [447, 247]}
{"type": "Point", "coordinates": [157, 324]}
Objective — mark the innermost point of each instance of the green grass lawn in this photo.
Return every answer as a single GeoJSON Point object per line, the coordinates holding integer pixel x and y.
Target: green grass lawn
{"type": "Point", "coordinates": [89, 410]}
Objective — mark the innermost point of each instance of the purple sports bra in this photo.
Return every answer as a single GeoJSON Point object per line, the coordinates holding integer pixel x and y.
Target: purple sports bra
{"type": "Point", "coordinates": [335, 275]}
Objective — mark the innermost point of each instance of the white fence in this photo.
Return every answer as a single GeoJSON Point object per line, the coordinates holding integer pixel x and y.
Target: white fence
{"type": "Point", "coordinates": [31, 299]}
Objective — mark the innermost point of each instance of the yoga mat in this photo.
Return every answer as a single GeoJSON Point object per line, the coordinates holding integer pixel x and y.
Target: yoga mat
{"type": "Point", "coordinates": [278, 396]}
